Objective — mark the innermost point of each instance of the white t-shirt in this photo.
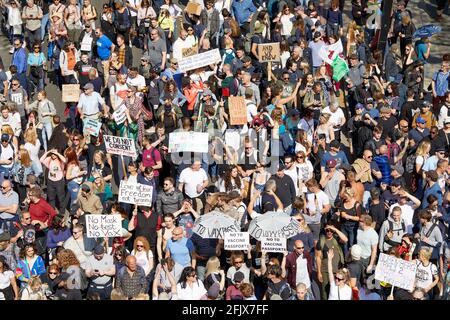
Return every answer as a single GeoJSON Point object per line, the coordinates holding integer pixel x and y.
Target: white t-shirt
{"type": "Point", "coordinates": [302, 272]}
{"type": "Point", "coordinates": [178, 47]}
{"type": "Point", "coordinates": [366, 239]}
{"type": "Point", "coordinates": [407, 215]}
{"type": "Point", "coordinates": [336, 117]}
{"type": "Point", "coordinates": [7, 153]}
{"type": "Point", "coordinates": [307, 126]}
{"type": "Point", "coordinates": [191, 180]}
{"type": "Point", "coordinates": [143, 259]}
{"type": "Point", "coordinates": [251, 111]}
{"type": "Point", "coordinates": [191, 293]}
{"type": "Point", "coordinates": [286, 24]}
{"type": "Point", "coordinates": [139, 81]}
{"type": "Point", "coordinates": [316, 202]}
{"type": "Point", "coordinates": [337, 293]}
{"type": "Point", "coordinates": [425, 274]}
{"type": "Point", "coordinates": [5, 281]}
{"type": "Point", "coordinates": [305, 170]}
{"type": "Point", "coordinates": [293, 174]}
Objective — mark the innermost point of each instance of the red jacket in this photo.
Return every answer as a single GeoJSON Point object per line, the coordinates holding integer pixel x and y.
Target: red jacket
{"type": "Point", "coordinates": [291, 266]}
{"type": "Point", "coordinates": [42, 211]}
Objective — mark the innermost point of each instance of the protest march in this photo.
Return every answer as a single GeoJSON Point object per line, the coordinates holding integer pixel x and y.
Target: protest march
{"type": "Point", "coordinates": [224, 150]}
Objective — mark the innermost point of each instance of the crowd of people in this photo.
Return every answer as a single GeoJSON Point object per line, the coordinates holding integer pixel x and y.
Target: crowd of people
{"type": "Point", "coordinates": [360, 162]}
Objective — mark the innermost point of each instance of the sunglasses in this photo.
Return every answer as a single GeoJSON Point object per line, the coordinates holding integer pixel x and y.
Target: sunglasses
{"type": "Point", "coordinates": [339, 279]}
{"type": "Point", "coordinates": [299, 248]}
{"type": "Point", "coordinates": [4, 188]}
{"type": "Point", "coordinates": [15, 84]}
{"type": "Point", "coordinates": [300, 220]}
{"type": "Point", "coordinates": [139, 246]}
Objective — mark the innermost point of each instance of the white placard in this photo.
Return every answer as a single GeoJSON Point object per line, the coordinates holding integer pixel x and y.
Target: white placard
{"type": "Point", "coordinates": [120, 146]}
{"type": "Point", "coordinates": [135, 193]}
{"type": "Point", "coordinates": [273, 244]}
{"type": "Point", "coordinates": [236, 240]}
{"type": "Point", "coordinates": [397, 272]}
{"type": "Point", "coordinates": [92, 127]}
{"type": "Point", "coordinates": [199, 60]}
{"type": "Point", "coordinates": [119, 115]}
{"type": "Point", "coordinates": [188, 142]}
{"type": "Point", "coordinates": [233, 139]}
{"type": "Point", "coordinates": [103, 225]}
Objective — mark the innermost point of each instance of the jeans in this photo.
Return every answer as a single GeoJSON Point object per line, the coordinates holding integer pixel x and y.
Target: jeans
{"type": "Point", "coordinates": [350, 230]}
{"type": "Point", "coordinates": [44, 25]}
{"type": "Point", "coordinates": [46, 133]}
{"type": "Point", "coordinates": [72, 189]}
{"type": "Point", "coordinates": [201, 271]}
{"type": "Point", "coordinates": [33, 37]}
{"type": "Point", "coordinates": [36, 166]}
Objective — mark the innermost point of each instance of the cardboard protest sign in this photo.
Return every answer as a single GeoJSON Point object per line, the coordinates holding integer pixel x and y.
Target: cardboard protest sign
{"type": "Point", "coordinates": [236, 240]}
{"type": "Point", "coordinates": [187, 52]}
{"type": "Point", "coordinates": [92, 127]}
{"type": "Point", "coordinates": [238, 111]}
{"type": "Point", "coordinates": [397, 272]}
{"type": "Point", "coordinates": [199, 60]}
{"type": "Point", "coordinates": [119, 115]}
{"type": "Point", "coordinates": [135, 193]}
{"type": "Point", "coordinates": [188, 142]}
{"type": "Point", "coordinates": [70, 92]}
{"type": "Point", "coordinates": [273, 244]}
{"type": "Point", "coordinates": [269, 52]}
{"type": "Point", "coordinates": [194, 8]}
{"type": "Point", "coordinates": [103, 225]}
{"type": "Point", "coordinates": [120, 146]}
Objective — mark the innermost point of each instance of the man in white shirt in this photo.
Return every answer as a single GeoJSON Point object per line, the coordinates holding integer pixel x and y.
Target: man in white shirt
{"type": "Point", "coordinates": [79, 245]}
{"type": "Point", "coordinates": [252, 111]}
{"type": "Point", "coordinates": [88, 103]}
{"type": "Point", "coordinates": [180, 44]}
{"type": "Point", "coordinates": [337, 118]}
{"type": "Point", "coordinates": [367, 239]}
{"type": "Point", "coordinates": [299, 265]}
{"type": "Point", "coordinates": [407, 203]}
{"type": "Point", "coordinates": [194, 180]}
{"type": "Point", "coordinates": [100, 269]}
{"type": "Point", "coordinates": [135, 79]}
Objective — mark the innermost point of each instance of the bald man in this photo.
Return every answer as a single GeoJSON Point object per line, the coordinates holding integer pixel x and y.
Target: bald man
{"type": "Point", "coordinates": [180, 248]}
{"type": "Point", "coordinates": [299, 265]}
{"type": "Point", "coordinates": [131, 279]}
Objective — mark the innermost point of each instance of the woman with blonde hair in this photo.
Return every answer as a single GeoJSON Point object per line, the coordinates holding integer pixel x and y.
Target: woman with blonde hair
{"type": "Point", "coordinates": [349, 212]}
{"type": "Point", "coordinates": [74, 176]}
{"type": "Point", "coordinates": [422, 154]}
{"type": "Point", "coordinates": [325, 127]}
{"type": "Point", "coordinates": [352, 31]}
{"type": "Point", "coordinates": [33, 145]}
{"type": "Point", "coordinates": [427, 276]}
{"type": "Point", "coordinates": [304, 167]}
{"type": "Point", "coordinates": [144, 256]}
{"type": "Point", "coordinates": [302, 143]}
{"type": "Point", "coordinates": [21, 169]}
{"type": "Point", "coordinates": [214, 274]}
{"type": "Point", "coordinates": [34, 290]}
{"type": "Point", "coordinates": [339, 288]}
{"type": "Point", "coordinates": [46, 110]}
{"type": "Point", "coordinates": [259, 179]}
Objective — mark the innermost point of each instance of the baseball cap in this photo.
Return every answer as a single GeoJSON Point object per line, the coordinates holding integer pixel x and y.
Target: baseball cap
{"type": "Point", "coordinates": [420, 120]}
{"type": "Point", "coordinates": [99, 249]}
{"type": "Point", "coordinates": [426, 103]}
{"type": "Point", "coordinates": [369, 100]}
{"type": "Point", "coordinates": [293, 112]}
{"type": "Point", "coordinates": [156, 69]}
{"type": "Point", "coordinates": [88, 86]}
{"type": "Point", "coordinates": [5, 137]}
{"type": "Point", "coordinates": [359, 106]}
{"type": "Point", "coordinates": [85, 187]}
{"type": "Point", "coordinates": [238, 276]}
{"type": "Point", "coordinates": [355, 251]}
{"type": "Point", "coordinates": [331, 163]}
{"type": "Point", "coordinates": [399, 169]}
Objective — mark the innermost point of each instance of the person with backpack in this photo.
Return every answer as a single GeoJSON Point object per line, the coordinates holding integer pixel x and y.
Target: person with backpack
{"type": "Point", "coordinates": [429, 234]}
{"type": "Point", "coordinates": [326, 264]}
{"type": "Point", "coordinates": [277, 287]}
{"type": "Point", "coordinates": [392, 230]}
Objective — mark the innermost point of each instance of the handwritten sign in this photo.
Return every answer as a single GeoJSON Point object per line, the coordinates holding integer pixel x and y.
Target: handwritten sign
{"type": "Point", "coordinates": [238, 111]}
{"type": "Point", "coordinates": [236, 240]}
{"type": "Point", "coordinates": [199, 60]}
{"type": "Point", "coordinates": [119, 115]}
{"type": "Point", "coordinates": [135, 193]}
{"type": "Point", "coordinates": [187, 52]}
{"type": "Point", "coordinates": [100, 226]}
{"type": "Point", "coordinates": [273, 244]}
{"type": "Point", "coordinates": [269, 52]}
{"type": "Point", "coordinates": [213, 233]}
{"type": "Point", "coordinates": [397, 272]}
{"type": "Point", "coordinates": [257, 232]}
{"type": "Point", "coordinates": [92, 127]}
{"type": "Point", "coordinates": [188, 142]}
{"type": "Point", "coordinates": [70, 92]}
{"type": "Point", "coordinates": [120, 146]}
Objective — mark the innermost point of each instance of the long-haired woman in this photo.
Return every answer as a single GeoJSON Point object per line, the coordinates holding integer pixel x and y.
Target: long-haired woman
{"type": "Point", "coordinates": [189, 287]}
{"type": "Point", "coordinates": [71, 265]}
{"type": "Point", "coordinates": [144, 256]}
{"type": "Point", "coordinates": [214, 273]}
{"type": "Point", "coordinates": [8, 284]}
{"type": "Point", "coordinates": [21, 169]}
{"type": "Point", "coordinates": [57, 235]}
{"type": "Point", "coordinates": [30, 264]}
{"type": "Point", "coordinates": [74, 176]}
